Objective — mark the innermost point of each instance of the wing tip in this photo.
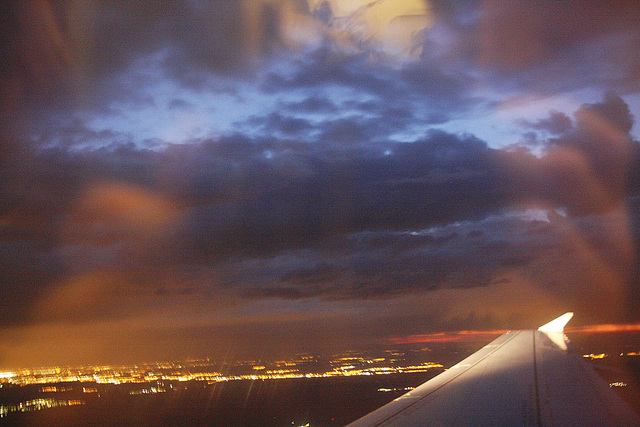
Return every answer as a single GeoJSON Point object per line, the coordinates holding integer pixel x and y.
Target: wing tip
{"type": "Point", "coordinates": [557, 324]}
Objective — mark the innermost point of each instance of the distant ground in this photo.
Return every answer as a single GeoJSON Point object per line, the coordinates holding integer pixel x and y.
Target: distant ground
{"type": "Point", "coordinates": [620, 364]}
{"type": "Point", "coordinates": [317, 402]}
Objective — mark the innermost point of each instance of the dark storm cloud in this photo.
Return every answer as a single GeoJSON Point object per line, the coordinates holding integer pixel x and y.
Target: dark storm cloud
{"type": "Point", "coordinates": [521, 41]}
{"type": "Point", "coordinates": [367, 123]}
{"type": "Point", "coordinates": [297, 198]}
{"type": "Point", "coordinates": [559, 40]}
{"type": "Point", "coordinates": [276, 123]}
{"type": "Point", "coordinates": [537, 32]}
{"type": "Point", "coordinates": [62, 55]}
{"type": "Point", "coordinates": [226, 198]}
{"type": "Point", "coordinates": [586, 169]}
{"type": "Point", "coordinates": [384, 265]}
{"type": "Point", "coordinates": [27, 269]}
{"type": "Point", "coordinates": [556, 124]}
{"type": "Point", "coordinates": [179, 104]}
{"type": "Point", "coordinates": [345, 131]}
{"type": "Point", "coordinates": [327, 65]}
{"type": "Point", "coordinates": [543, 46]}
{"type": "Point", "coordinates": [428, 81]}
{"type": "Point", "coordinates": [240, 197]}
{"type": "Point", "coordinates": [103, 39]}
{"type": "Point", "coordinates": [354, 129]}
{"type": "Point", "coordinates": [74, 134]}
{"type": "Point", "coordinates": [58, 50]}
{"type": "Point", "coordinates": [38, 193]}
{"type": "Point", "coordinates": [313, 104]}
{"type": "Point", "coordinates": [202, 35]}
{"type": "Point", "coordinates": [585, 172]}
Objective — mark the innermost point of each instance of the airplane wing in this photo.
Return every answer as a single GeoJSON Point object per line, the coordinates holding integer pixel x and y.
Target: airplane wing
{"type": "Point", "coordinates": [523, 378]}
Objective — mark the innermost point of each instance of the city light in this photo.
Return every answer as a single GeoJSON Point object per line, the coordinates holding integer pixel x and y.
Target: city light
{"type": "Point", "coordinates": [202, 370]}
{"type": "Point", "coordinates": [36, 405]}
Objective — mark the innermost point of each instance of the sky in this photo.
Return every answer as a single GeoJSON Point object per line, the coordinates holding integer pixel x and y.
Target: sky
{"type": "Point", "coordinates": [233, 178]}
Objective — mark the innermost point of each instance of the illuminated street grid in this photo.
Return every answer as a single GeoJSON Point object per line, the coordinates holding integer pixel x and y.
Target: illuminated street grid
{"type": "Point", "coordinates": [305, 366]}
{"type": "Point", "coordinates": [37, 405]}
{"type": "Point", "coordinates": [157, 377]}
{"type": "Point", "coordinates": [204, 370]}
{"type": "Point", "coordinates": [160, 377]}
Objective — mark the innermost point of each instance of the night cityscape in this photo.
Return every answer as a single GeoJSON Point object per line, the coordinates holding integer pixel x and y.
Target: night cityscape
{"type": "Point", "coordinates": [308, 389]}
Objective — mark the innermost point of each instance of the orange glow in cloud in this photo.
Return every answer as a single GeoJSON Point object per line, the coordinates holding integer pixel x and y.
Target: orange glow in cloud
{"type": "Point", "coordinates": [459, 336]}
{"type": "Point", "coordinates": [466, 336]}
{"type": "Point", "coordinates": [605, 328]}
{"type": "Point", "coordinates": [394, 25]}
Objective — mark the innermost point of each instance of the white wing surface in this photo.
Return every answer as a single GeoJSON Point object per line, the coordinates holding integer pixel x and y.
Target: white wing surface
{"type": "Point", "coordinates": [523, 378]}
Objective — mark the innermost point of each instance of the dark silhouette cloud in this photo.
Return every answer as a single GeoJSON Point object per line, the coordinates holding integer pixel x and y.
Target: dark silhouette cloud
{"type": "Point", "coordinates": [313, 104]}
{"type": "Point", "coordinates": [557, 123]}
{"type": "Point", "coordinates": [538, 47]}
{"type": "Point", "coordinates": [180, 104]}
{"type": "Point", "coordinates": [522, 35]}
{"type": "Point", "coordinates": [279, 124]}
{"type": "Point", "coordinates": [587, 169]}
{"type": "Point", "coordinates": [231, 200]}
{"type": "Point", "coordinates": [327, 66]}
{"type": "Point", "coordinates": [245, 197]}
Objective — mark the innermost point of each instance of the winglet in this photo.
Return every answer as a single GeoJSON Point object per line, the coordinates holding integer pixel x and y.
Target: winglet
{"type": "Point", "coordinates": [556, 325]}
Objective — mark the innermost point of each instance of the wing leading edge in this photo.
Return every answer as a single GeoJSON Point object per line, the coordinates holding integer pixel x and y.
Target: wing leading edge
{"type": "Point", "coordinates": [528, 377]}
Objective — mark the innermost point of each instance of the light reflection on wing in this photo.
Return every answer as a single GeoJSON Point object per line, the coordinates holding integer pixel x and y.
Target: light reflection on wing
{"type": "Point", "coordinates": [528, 377]}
